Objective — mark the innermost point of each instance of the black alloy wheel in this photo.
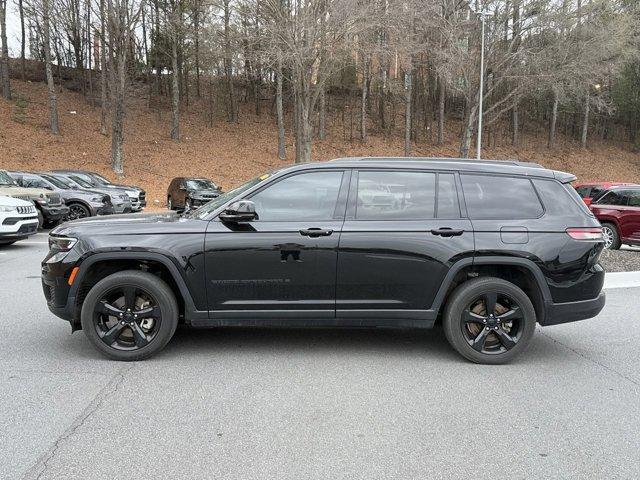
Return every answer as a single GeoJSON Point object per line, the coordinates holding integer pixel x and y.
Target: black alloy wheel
{"type": "Point", "coordinates": [127, 318]}
{"type": "Point", "coordinates": [492, 323]}
{"type": "Point", "coordinates": [77, 210]}
{"type": "Point", "coordinates": [489, 320]}
{"type": "Point", "coordinates": [130, 315]}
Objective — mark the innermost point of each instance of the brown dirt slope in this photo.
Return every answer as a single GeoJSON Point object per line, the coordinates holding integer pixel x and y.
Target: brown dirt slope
{"type": "Point", "coordinates": [229, 154]}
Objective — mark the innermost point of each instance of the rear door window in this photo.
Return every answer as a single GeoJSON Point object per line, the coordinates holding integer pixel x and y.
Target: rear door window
{"type": "Point", "coordinates": [448, 204]}
{"type": "Point", "coordinates": [500, 197]}
{"type": "Point", "coordinates": [396, 195]}
{"type": "Point", "coordinates": [634, 198]}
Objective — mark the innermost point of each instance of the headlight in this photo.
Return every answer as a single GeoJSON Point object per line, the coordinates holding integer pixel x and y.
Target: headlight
{"type": "Point", "coordinates": [8, 208]}
{"type": "Point", "coordinates": [62, 244]}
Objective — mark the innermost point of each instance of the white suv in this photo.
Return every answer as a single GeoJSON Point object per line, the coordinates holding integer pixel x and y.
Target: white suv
{"type": "Point", "coordinates": [18, 219]}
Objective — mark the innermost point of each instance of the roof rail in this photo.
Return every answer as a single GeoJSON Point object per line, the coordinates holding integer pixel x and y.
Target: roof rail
{"type": "Point", "coordinates": [439, 159]}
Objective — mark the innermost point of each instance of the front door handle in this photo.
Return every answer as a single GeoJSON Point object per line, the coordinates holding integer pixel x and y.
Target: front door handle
{"type": "Point", "coordinates": [447, 232]}
{"type": "Point", "coordinates": [316, 232]}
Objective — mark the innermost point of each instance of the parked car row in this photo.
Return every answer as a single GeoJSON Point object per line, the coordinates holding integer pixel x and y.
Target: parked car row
{"type": "Point", "coordinates": [50, 197]}
{"type": "Point", "coordinates": [617, 206]}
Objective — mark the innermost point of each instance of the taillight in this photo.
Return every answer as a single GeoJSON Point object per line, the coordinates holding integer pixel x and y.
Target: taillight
{"type": "Point", "coordinates": [588, 233]}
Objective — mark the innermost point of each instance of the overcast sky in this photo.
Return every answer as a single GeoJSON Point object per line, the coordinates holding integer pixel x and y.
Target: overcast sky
{"type": "Point", "coordinates": [13, 30]}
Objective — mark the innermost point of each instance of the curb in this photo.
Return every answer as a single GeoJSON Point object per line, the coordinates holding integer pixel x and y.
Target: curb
{"type": "Point", "coordinates": [621, 280]}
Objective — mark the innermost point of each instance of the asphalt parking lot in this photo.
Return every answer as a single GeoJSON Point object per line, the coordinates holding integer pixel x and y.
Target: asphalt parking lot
{"type": "Point", "coordinates": [312, 404]}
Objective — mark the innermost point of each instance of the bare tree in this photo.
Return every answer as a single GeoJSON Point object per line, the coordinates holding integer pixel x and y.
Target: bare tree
{"type": "Point", "coordinates": [53, 101]}
{"type": "Point", "coordinates": [4, 63]}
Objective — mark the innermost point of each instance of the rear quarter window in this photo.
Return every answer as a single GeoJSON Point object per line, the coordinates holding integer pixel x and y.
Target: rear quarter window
{"type": "Point", "coordinates": [500, 197]}
{"type": "Point", "coordinates": [560, 199]}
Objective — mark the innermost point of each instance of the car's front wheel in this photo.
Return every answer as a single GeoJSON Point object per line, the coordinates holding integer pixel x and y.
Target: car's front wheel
{"type": "Point", "coordinates": [489, 320]}
{"type": "Point", "coordinates": [129, 315]}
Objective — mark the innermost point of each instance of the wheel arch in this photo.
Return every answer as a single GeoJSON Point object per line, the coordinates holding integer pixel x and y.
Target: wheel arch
{"type": "Point", "coordinates": [100, 265]}
{"type": "Point", "coordinates": [85, 204]}
{"type": "Point", "coordinates": [522, 272]}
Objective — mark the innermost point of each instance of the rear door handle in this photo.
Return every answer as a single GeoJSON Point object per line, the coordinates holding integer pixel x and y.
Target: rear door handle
{"type": "Point", "coordinates": [447, 232]}
{"type": "Point", "coordinates": [316, 232]}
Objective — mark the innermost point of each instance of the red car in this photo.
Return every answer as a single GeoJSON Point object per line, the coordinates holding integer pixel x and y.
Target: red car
{"type": "Point", "coordinates": [619, 213]}
{"type": "Point", "coordinates": [590, 191]}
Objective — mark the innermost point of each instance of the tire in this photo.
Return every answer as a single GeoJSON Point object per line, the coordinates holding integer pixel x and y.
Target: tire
{"type": "Point", "coordinates": [147, 285]}
{"type": "Point", "coordinates": [78, 210]}
{"type": "Point", "coordinates": [505, 338]}
{"type": "Point", "coordinates": [169, 203]}
{"type": "Point", "coordinates": [611, 236]}
{"type": "Point", "coordinates": [40, 219]}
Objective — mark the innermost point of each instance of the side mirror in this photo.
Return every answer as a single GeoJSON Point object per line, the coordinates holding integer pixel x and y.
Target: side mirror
{"type": "Point", "coordinates": [239, 212]}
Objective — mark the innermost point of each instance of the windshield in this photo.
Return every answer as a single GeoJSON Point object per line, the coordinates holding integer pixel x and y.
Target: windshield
{"type": "Point", "coordinates": [207, 208]}
{"type": "Point", "coordinates": [201, 184]}
{"type": "Point", "coordinates": [56, 182]}
{"type": "Point", "coordinates": [5, 179]}
{"type": "Point", "coordinates": [80, 182]}
{"type": "Point", "coordinates": [100, 179]}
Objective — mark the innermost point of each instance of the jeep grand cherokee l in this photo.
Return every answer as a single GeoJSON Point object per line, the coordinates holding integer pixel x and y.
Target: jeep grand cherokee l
{"type": "Point", "coordinates": [486, 248]}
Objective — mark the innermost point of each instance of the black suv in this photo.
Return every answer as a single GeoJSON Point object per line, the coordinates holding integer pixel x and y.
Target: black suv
{"type": "Point", "coordinates": [186, 193]}
{"type": "Point", "coordinates": [487, 248]}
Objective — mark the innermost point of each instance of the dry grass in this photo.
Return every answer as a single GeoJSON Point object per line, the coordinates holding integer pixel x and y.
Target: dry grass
{"type": "Point", "coordinates": [230, 154]}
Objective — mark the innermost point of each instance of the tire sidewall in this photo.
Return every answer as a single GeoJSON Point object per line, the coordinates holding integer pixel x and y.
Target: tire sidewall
{"type": "Point", "coordinates": [463, 295]}
{"type": "Point", "coordinates": [85, 209]}
{"type": "Point", "coordinates": [154, 286]}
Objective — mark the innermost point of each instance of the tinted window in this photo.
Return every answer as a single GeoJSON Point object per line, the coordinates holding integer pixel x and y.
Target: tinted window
{"type": "Point", "coordinates": [201, 184]}
{"type": "Point", "coordinates": [614, 198]}
{"type": "Point", "coordinates": [634, 198]}
{"type": "Point", "coordinates": [448, 206]}
{"type": "Point", "coordinates": [560, 199]}
{"type": "Point", "coordinates": [305, 197]}
{"type": "Point", "coordinates": [395, 195]}
{"type": "Point", "coordinates": [500, 197]}
{"type": "Point", "coordinates": [584, 190]}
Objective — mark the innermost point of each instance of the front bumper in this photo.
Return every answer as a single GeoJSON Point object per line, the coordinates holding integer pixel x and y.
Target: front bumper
{"type": "Point", "coordinates": [19, 231]}
{"type": "Point", "coordinates": [557, 313]}
{"type": "Point", "coordinates": [52, 214]}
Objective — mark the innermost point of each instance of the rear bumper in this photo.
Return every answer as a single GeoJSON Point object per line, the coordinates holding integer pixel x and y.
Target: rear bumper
{"type": "Point", "coordinates": [573, 311]}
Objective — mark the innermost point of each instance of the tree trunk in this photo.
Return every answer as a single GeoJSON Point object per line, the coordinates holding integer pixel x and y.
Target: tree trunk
{"type": "Point", "coordinates": [91, 99]}
{"type": "Point", "coordinates": [104, 105]}
{"type": "Point", "coordinates": [515, 126]}
{"type": "Point", "coordinates": [232, 111]}
{"type": "Point", "coordinates": [585, 122]}
{"type": "Point", "coordinates": [22, 41]}
{"type": "Point", "coordinates": [4, 66]}
{"type": "Point", "coordinates": [441, 106]}
{"type": "Point", "coordinates": [282, 152]}
{"type": "Point", "coordinates": [407, 113]}
{"type": "Point", "coordinates": [175, 87]}
{"type": "Point", "coordinates": [117, 124]}
{"type": "Point", "coordinates": [322, 116]}
{"type": "Point", "coordinates": [465, 143]}
{"type": "Point", "coordinates": [53, 102]}
{"type": "Point", "coordinates": [553, 121]}
{"type": "Point", "coordinates": [363, 100]}
{"type": "Point", "coordinates": [196, 28]}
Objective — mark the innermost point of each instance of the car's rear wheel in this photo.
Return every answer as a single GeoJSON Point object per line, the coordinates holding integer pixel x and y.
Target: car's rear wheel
{"type": "Point", "coordinates": [77, 210]}
{"type": "Point", "coordinates": [129, 315]}
{"type": "Point", "coordinates": [611, 236]}
{"type": "Point", "coordinates": [489, 320]}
